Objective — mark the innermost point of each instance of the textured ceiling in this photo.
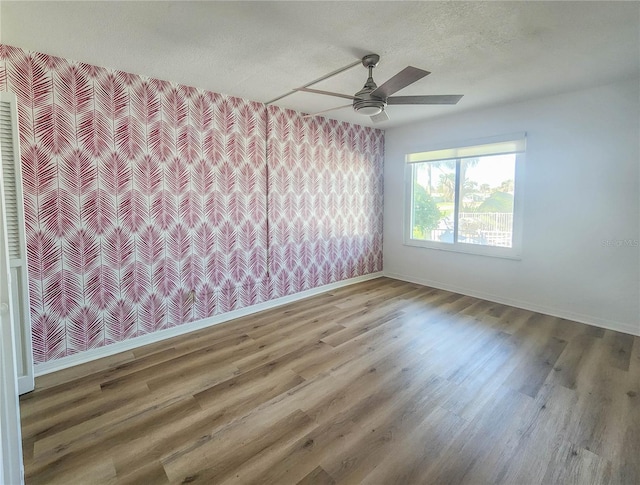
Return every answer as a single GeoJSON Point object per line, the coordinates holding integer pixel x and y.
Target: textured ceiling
{"type": "Point", "coordinates": [492, 52]}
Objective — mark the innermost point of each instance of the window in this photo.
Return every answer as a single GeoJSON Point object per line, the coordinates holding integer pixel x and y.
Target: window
{"type": "Point", "coordinates": [467, 198]}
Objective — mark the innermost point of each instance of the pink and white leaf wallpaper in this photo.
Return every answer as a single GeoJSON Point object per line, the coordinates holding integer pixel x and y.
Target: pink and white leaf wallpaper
{"type": "Point", "coordinates": [150, 204]}
{"type": "Point", "coordinates": [325, 200]}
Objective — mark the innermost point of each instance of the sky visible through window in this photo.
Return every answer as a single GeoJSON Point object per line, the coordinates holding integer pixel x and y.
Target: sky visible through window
{"type": "Point", "coordinates": [491, 170]}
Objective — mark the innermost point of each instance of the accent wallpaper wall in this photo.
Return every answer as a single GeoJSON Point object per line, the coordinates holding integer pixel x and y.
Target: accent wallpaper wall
{"type": "Point", "coordinates": [149, 204]}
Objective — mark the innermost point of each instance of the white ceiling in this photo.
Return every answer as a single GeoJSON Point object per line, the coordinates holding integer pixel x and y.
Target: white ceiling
{"type": "Point", "coordinates": [492, 52]}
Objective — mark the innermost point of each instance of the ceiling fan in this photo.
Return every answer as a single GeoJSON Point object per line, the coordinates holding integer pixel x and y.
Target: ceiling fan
{"type": "Point", "coordinates": [372, 99]}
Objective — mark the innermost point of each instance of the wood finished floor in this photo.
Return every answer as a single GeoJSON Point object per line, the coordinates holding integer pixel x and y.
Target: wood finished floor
{"type": "Point", "coordinates": [382, 382]}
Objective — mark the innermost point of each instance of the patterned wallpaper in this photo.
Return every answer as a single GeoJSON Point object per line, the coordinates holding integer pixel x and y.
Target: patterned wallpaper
{"type": "Point", "coordinates": [150, 204]}
{"type": "Point", "coordinates": [325, 200]}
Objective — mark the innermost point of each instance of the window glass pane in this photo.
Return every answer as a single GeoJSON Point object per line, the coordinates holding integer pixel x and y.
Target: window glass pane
{"type": "Point", "coordinates": [486, 212]}
{"type": "Point", "coordinates": [433, 201]}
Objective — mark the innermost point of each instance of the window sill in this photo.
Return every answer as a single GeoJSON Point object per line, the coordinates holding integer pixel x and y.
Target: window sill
{"type": "Point", "coordinates": [472, 249]}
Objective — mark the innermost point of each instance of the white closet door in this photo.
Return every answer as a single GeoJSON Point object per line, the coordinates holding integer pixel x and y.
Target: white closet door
{"type": "Point", "coordinates": [11, 466]}
{"type": "Point", "coordinates": [14, 224]}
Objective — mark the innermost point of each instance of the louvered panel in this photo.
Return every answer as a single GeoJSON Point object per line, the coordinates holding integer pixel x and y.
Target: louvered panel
{"type": "Point", "coordinates": [10, 179]}
{"type": "Point", "coordinates": [13, 221]}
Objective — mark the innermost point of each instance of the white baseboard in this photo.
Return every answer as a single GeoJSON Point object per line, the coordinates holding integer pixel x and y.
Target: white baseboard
{"type": "Point", "coordinates": [554, 312]}
{"type": "Point", "coordinates": [115, 348]}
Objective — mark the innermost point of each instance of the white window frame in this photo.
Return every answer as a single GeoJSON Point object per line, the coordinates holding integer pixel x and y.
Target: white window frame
{"type": "Point", "coordinates": [458, 151]}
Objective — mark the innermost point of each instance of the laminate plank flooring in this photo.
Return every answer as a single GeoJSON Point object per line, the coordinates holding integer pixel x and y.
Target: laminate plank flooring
{"type": "Point", "coordinates": [381, 382]}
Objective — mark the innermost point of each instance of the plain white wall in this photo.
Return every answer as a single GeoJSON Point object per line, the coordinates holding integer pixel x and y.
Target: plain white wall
{"type": "Point", "coordinates": [581, 189]}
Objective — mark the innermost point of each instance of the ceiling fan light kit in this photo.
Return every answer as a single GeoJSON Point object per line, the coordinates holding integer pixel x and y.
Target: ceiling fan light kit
{"type": "Point", "coordinates": [368, 108]}
{"type": "Point", "coordinates": [372, 99]}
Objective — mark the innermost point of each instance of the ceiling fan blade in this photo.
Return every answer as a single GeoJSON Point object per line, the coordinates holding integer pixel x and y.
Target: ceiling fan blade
{"type": "Point", "coordinates": [316, 81]}
{"type": "Point", "coordinates": [433, 99]}
{"type": "Point", "coordinates": [326, 93]}
{"type": "Point", "coordinates": [327, 110]}
{"type": "Point", "coordinates": [380, 117]}
{"type": "Point", "coordinates": [407, 76]}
